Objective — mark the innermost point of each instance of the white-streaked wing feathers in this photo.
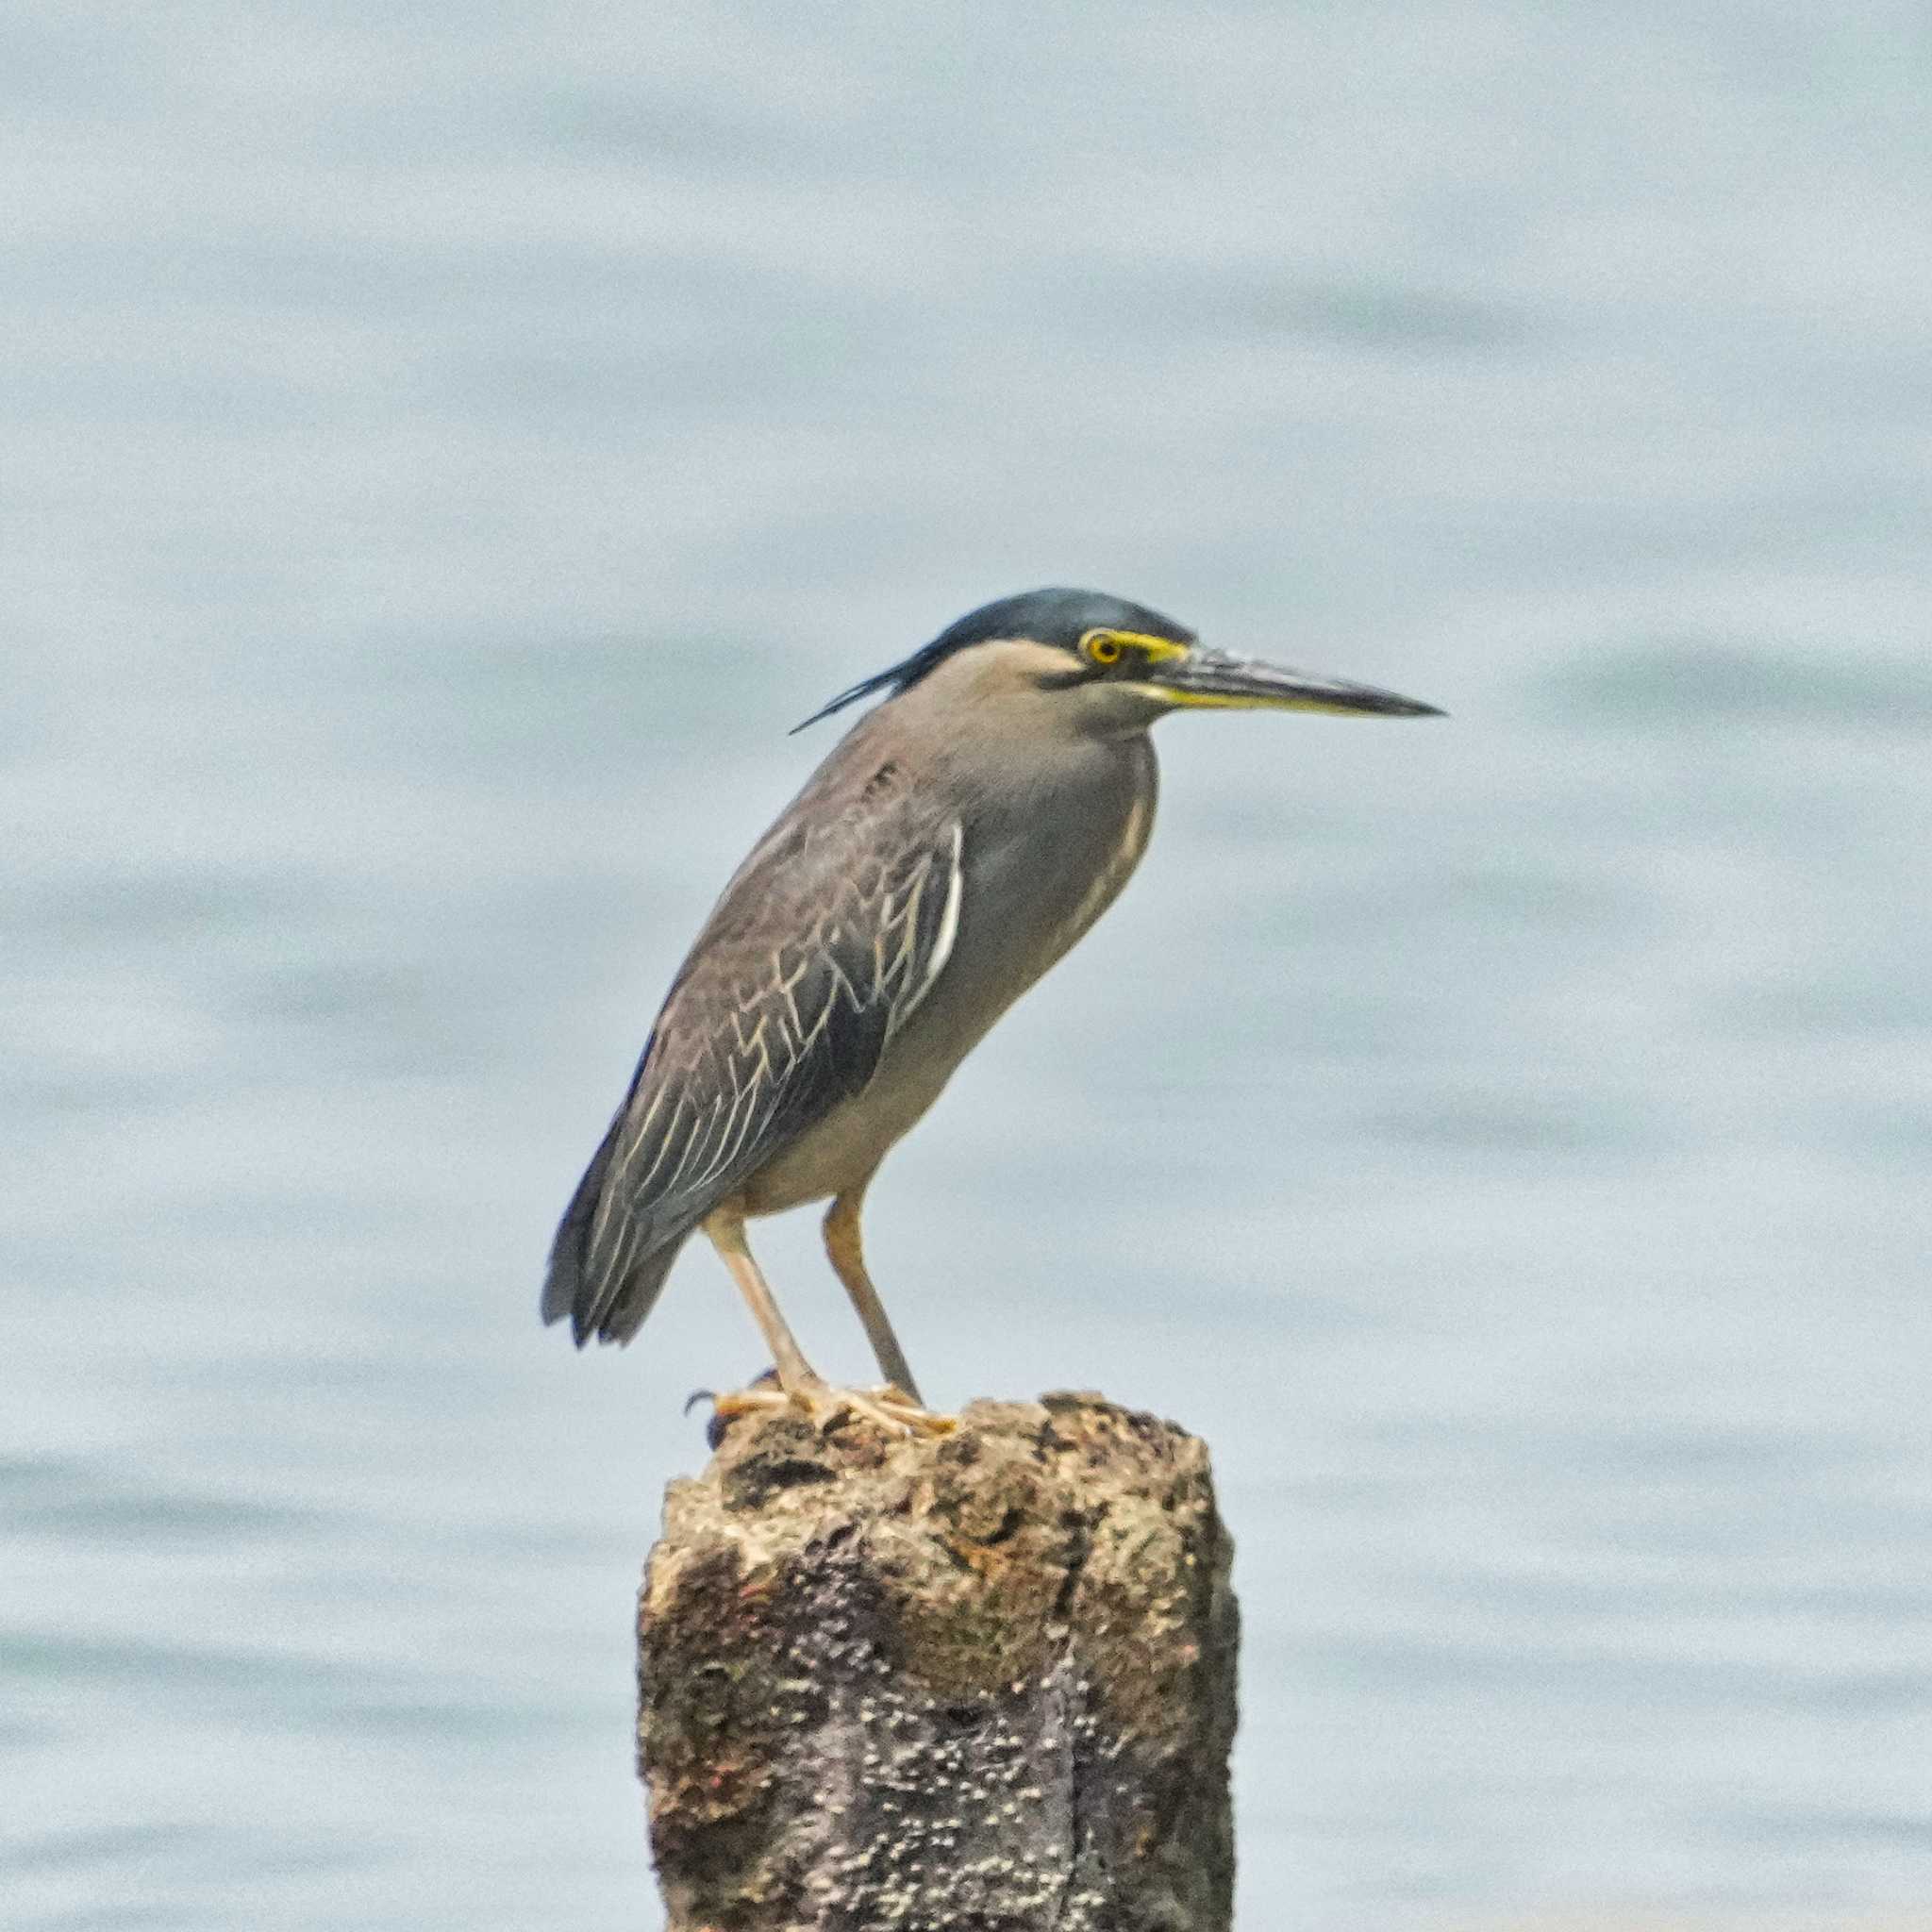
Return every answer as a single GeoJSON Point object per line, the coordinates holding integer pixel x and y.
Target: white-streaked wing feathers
{"type": "Point", "coordinates": [822, 948]}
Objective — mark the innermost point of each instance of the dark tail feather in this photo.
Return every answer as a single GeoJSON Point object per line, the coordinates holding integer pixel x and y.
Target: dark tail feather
{"type": "Point", "coordinates": [636, 1294]}
{"type": "Point", "coordinates": [608, 1291]}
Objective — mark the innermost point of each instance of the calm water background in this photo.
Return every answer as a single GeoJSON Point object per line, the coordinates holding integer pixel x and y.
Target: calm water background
{"type": "Point", "coordinates": [443, 452]}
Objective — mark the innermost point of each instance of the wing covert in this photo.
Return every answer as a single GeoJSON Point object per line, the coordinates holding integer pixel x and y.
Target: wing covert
{"type": "Point", "coordinates": [822, 948]}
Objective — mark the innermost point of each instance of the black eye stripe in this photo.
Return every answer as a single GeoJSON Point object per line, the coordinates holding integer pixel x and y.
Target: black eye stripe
{"type": "Point", "coordinates": [1101, 656]}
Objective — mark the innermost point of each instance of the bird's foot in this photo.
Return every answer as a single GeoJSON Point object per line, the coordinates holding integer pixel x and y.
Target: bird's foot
{"type": "Point", "coordinates": [891, 1409]}
{"type": "Point", "coordinates": [887, 1407]}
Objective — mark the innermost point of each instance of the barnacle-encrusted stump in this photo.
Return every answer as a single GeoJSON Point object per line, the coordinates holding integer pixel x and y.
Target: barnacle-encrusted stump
{"type": "Point", "coordinates": [982, 1682]}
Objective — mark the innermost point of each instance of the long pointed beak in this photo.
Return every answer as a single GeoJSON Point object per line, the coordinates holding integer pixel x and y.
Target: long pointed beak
{"type": "Point", "coordinates": [1205, 677]}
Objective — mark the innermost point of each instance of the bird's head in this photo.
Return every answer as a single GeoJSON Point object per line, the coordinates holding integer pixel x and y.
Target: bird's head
{"type": "Point", "coordinates": [1107, 666]}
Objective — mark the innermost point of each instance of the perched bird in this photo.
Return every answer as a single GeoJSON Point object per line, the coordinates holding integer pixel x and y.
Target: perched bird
{"type": "Point", "coordinates": [956, 842]}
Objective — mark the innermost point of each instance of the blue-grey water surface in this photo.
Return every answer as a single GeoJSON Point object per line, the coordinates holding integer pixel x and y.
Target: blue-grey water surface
{"type": "Point", "coordinates": [442, 451]}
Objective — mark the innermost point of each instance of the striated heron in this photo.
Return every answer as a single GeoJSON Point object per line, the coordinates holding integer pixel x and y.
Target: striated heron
{"type": "Point", "coordinates": [959, 839]}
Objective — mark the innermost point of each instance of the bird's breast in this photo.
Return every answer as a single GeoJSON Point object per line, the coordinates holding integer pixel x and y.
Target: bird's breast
{"type": "Point", "coordinates": [1037, 878]}
{"type": "Point", "coordinates": [1115, 869]}
{"type": "Point", "coordinates": [1031, 883]}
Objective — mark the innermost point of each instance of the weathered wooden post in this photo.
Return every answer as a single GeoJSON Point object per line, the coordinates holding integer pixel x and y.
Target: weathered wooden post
{"type": "Point", "coordinates": [982, 1682]}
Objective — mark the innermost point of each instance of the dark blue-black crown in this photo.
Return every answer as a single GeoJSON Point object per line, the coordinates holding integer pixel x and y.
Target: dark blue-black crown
{"type": "Point", "coordinates": [1046, 617]}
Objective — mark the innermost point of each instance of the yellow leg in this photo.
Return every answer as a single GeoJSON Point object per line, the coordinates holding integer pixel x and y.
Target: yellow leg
{"type": "Point", "coordinates": [801, 1384]}
{"type": "Point", "coordinates": [796, 1376]}
{"type": "Point", "coordinates": [847, 1255]}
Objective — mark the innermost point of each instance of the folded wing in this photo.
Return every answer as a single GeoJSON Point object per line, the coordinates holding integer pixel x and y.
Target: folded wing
{"type": "Point", "coordinates": [821, 949]}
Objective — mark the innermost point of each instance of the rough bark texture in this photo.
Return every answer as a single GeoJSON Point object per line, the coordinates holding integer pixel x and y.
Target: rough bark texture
{"type": "Point", "coordinates": [978, 1683]}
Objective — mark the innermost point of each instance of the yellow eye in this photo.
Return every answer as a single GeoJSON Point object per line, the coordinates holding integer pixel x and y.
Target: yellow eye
{"type": "Point", "coordinates": [1101, 647]}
